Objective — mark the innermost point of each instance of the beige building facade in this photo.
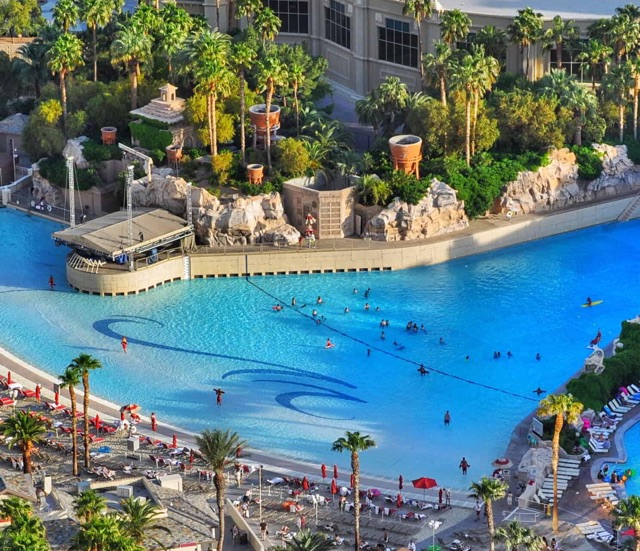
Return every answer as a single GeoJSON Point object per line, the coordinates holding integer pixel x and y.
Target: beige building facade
{"type": "Point", "coordinates": [366, 41]}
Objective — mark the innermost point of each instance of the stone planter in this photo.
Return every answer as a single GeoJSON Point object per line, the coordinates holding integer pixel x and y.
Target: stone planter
{"type": "Point", "coordinates": [406, 153]}
{"type": "Point", "coordinates": [258, 116]}
{"type": "Point", "coordinates": [174, 154]}
{"type": "Point", "coordinates": [109, 135]}
{"type": "Point", "coordinates": [255, 172]}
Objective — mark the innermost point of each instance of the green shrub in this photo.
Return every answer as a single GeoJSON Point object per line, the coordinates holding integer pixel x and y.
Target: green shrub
{"type": "Point", "coordinates": [633, 150]}
{"type": "Point", "coordinates": [222, 165]}
{"type": "Point", "coordinates": [292, 158]}
{"type": "Point", "coordinates": [406, 187]}
{"type": "Point", "coordinates": [95, 152]}
{"type": "Point", "coordinates": [150, 137]}
{"type": "Point", "coordinates": [54, 169]}
{"type": "Point", "coordinates": [589, 162]}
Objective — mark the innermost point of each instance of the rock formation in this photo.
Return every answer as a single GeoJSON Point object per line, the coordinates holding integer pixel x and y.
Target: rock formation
{"type": "Point", "coordinates": [438, 213]}
{"type": "Point", "coordinates": [557, 185]}
{"type": "Point", "coordinates": [242, 221]}
{"type": "Point", "coordinates": [75, 149]}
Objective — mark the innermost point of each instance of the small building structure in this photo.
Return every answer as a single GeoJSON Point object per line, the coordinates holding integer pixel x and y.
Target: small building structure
{"type": "Point", "coordinates": [331, 204]}
{"type": "Point", "coordinates": [169, 109]}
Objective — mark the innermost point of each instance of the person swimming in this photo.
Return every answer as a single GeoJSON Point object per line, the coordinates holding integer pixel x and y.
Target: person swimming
{"type": "Point", "coordinates": [319, 300]}
{"type": "Point", "coordinates": [422, 370]}
{"type": "Point", "coordinates": [538, 356]}
{"type": "Point", "coordinates": [366, 306]}
{"type": "Point", "coordinates": [329, 344]}
{"type": "Point", "coordinates": [589, 301]}
{"type": "Point", "coordinates": [509, 354]}
{"type": "Point", "coordinates": [539, 391]}
{"type": "Point", "coordinates": [346, 310]}
{"type": "Point", "coordinates": [314, 313]}
{"type": "Point", "coordinates": [442, 341]}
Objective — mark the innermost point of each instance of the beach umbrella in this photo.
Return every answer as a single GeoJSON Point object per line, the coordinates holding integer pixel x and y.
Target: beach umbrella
{"type": "Point", "coordinates": [335, 471]}
{"type": "Point", "coordinates": [131, 408]}
{"type": "Point", "coordinates": [56, 397]}
{"type": "Point", "coordinates": [122, 415]}
{"type": "Point", "coordinates": [323, 470]}
{"type": "Point", "coordinates": [502, 463]}
{"type": "Point", "coordinates": [334, 486]}
{"type": "Point", "coordinates": [352, 480]}
{"type": "Point", "coordinates": [191, 456]}
{"type": "Point", "coordinates": [629, 532]}
{"type": "Point", "coordinates": [174, 444]}
{"type": "Point", "coordinates": [425, 483]}
{"type": "Point", "coordinates": [9, 381]}
{"type": "Point", "coordinates": [38, 389]}
{"type": "Point", "coordinates": [375, 492]}
{"type": "Point", "coordinates": [305, 484]}
{"type": "Point", "coordinates": [96, 422]}
{"type": "Point", "coordinates": [399, 500]}
{"type": "Point", "coordinates": [400, 482]}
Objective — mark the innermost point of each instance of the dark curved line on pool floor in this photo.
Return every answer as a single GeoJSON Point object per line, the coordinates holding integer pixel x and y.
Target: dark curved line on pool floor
{"type": "Point", "coordinates": [104, 327]}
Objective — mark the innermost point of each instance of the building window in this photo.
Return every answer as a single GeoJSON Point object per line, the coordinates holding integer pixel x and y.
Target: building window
{"type": "Point", "coordinates": [574, 66]}
{"type": "Point", "coordinates": [397, 44]}
{"type": "Point", "coordinates": [294, 15]}
{"type": "Point", "coordinates": [337, 24]}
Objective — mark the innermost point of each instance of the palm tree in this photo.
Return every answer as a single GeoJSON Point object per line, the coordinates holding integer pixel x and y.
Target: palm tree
{"type": "Point", "coordinates": [89, 505]}
{"type": "Point", "coordinates": [436, 68]}
{"type": "Point", "coordinates": [219, 450]}
{"type": "Point", "coordinates": [385, 107]}
{"type": "Point", "coordinates": [244, 55]}
{"type": "Point", "coordinates": [372, 190]}
{"type": "Point", "coordinates": [489, 490]}
{"type": "Point", "coordinates": [297, 79]}
{"type": "Point", "coordinates": [627, 513]}
{"type": "Point", "coordinates": [592, 55]}
{"type": "Point", "coordinates": [137, 517]}
{"type": "Point", "coordinates": [132, 47]}
{"type": "Point", "coordinates": [565, 408]}
{"type": "Point", "coordinates": [525, 31]}
{"type": "Point", "coordinates": [420, 10]}
{"type": "Point", "coordinates": [96, 14]}
{"type": "Point", "coordinates": [65, 14]}
{"type": "Point", "coordinates": [494, 41]}
{"type": "Point", "coordinates": [63, 58]}
{"type": "Point", "coordinates": [25, 432]}
{"type": "Point", "coordinates": [175, 24]}
{"type": "Point", "coordinates": [309, 541]}
{"type": "Point", "coordinates": [514, 534]}
{"type": "Point", "coordinates": [71, 379]}
{"type": "Point", "coordinates": [206, 57]}
{"type": "Point", "coordinates": [465, 79]}
{"type": "Point", "coordinates": [616, 87]}
{"type": "Point", "coordinates": [561, 32]}
{"type": "Point", "coordinates": [354, 442]}
{"type": "Point", "coordinates": [271, 73]}
{"type": "Point", "coordinates": [26, 531]}
{"type": "Point", "coordinates": [267, 24]}
{"type": "Point", "coordinates": [84, 364]}
{"type": "Point", "coordinates": [103, 533]}
{"type": "Point", "coordinates": [454, 27]}
{"type": "Point", "coordinates": [248, 8]}
{"type": "Point", "coordinates": [488, 71]}
{"type": "Point", "coordinates": [623, 33]}
{"type": "Point", "coordinates": [31, 63]}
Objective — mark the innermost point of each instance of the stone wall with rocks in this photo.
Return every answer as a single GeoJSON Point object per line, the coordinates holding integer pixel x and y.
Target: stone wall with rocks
{"type": "Point", "coordinates": [438, 213]}
{"type": "Point", "coordinates": [241, 221]}
{"type": "Point", "coordinates": [557, 185]}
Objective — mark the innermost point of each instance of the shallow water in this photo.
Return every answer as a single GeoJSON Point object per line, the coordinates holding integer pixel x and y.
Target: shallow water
{"type": "Point", "coordinates": [287, 394]}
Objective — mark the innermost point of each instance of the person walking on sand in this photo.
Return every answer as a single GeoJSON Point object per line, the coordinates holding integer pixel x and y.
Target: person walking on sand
{"type": "Point", "coordinates": [440, 496]}
{"type": "Point", "coordinates": [478, 509]}
{"type": "Point", "coordinates": [154, 422]}
{"type": "Point", "coordinates": [124, 344]}
{"type": "Point", "coordinates": [219, 392]}
{"type": "Point", "coordinates": [52, 282]}
{"type": "Point", "coordinates": [464, 465]}
{"type": "Point", "coordinates": [447, 497]}
{"type": "Point", "coordinates": [447, 418]}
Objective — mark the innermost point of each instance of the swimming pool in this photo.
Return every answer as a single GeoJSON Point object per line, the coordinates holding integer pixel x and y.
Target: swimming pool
{"type": "Point", "coordinates": [632, 446]}
{"type": "Point", "coordinates": [287, 394]}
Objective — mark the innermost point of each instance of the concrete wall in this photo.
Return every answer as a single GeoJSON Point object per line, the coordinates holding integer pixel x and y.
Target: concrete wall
{"type": "Point", "coordinates": [365, 256]}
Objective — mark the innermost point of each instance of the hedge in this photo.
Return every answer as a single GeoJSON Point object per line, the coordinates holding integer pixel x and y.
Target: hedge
{"type": "Point", "coordinates": [589, 162]}
{"type": "Point", "coordinates": [150, 137]}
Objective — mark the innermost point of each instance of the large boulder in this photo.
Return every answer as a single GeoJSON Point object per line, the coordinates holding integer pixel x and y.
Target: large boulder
{"type": "Point", "coordinates": [439, 212]}
{"type": "Point", "coordinates": [75, 149]}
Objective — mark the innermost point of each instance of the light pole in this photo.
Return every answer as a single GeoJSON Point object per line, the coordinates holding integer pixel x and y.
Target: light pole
{"type": "Point", "coordinates": [434, 525]}
{"type": "Point", "coordinates": [14, 153]}
{"type": "Point", "coordinates": [260, 494]}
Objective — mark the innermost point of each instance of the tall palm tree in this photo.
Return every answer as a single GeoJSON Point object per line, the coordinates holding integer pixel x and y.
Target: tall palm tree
{"type": "Point", "coordinates": [131, 47]}
{"type": "Point", "coordinates": [64, 57]}
{"type": "Point", "coordinates": [271, 73]}
{"type": "Point", "coordinates": [487, 71]}
{"type": "Point", "coordinates": [26, 531]}
{"type": "Point", "coordinates": [96, 14]}
{"type": "Point", "coordinates": [175, 24]}
{"type": "Point", "coordinates": [139, 517]}
{"type": "Point", "coordinates": [84, 364]}
{"type": "Point", "coordinates": [66, 14]}
{"type": "Point", "coordinates": [354, 443]}
{"type": "Point", "coordinates": [560, 33]}
{"type": "Point", "coordinates": [88, 505]}
{"type": "Point", "coordinates": [436, 68]}
{"type": "Point", "coordinates": [306, 540]}
{"type": "Point", "coordinates": [623, 34]}
{"type": "Point", "coordinates": [267, 24]}
{"type": "Point", "coordinates": [593, 54]}
{"type": "Point", "coordinates": [420, 10]}
{"type": "Point", "coordinates": [219, 450]}
{"type": "Point", "coordinates": [465, 79]}
{"type": "Point", "coordinates": [206, 57]}
{"type": "Point", "coordinates": [526, 30]}
{"type": "Point", "coordinates": [71, 379]}
{"type": "Point", "coordinates": [489, 490]}
{"type": "Point", "coordinates": [565, 408]}
{"type": "Point", "coordinates": [296, 78]}
{"type": "Point", "coordinates": [454, 27]}
{"type": "Point", "coordinates": [494, 41]}
{"type": "Point", "coordinates": [385, 107]}
{"type": "Point", "coordinates": [31, 64]}
{"type": "Point", "coordinates": [244, 55]}
{"type": "Point", "coordinates": [25, 432]}
{"type": "Point", "coordinates": [514, 534]}
{"type": "Point", "coordinates": [617, 85]}
{"type": "Point", "coordinates": [627, 513]}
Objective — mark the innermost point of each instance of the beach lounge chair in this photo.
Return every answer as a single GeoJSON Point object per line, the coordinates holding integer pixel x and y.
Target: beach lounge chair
{"type": "Point", "coordinates": [617, 407]}
{"type": "Point", "coordinates": [53, 406]}
{"type": "Point", "coordinates": [596, 448]}
{"type": "Point", "coordinates": [6, 402]}
{"type": "Point", "coordinates": [611, 414]}
{"type": "Point", "coordinates": [26, 393]}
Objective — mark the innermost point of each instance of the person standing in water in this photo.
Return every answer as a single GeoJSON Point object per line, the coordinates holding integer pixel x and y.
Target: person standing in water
{"type": "Point", "coordinates": [52, 282]}
{"type": "Point", "coordinates": [447, 418]}
{"type": "Point", "coordinates": [219, 392]}
{"type": "Point", "coordinates": [124, 344]}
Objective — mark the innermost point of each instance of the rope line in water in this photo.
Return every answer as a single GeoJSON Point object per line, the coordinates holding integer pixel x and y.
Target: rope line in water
{"type": "Point", "coordinates": [388, 353]}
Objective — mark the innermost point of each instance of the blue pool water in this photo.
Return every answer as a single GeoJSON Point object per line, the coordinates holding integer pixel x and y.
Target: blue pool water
{"type": "Point", "coordinates": [287, 394]}
{"type": "Point", "coordinates": [632, 446]}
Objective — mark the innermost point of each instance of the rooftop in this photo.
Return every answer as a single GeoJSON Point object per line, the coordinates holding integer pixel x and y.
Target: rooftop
{"type": "Point", "coordinates": [14, 124]}
{"type": "Point", "coordinates": [167, 108]}
{"type": "Point", "coordinates": [572, 9]}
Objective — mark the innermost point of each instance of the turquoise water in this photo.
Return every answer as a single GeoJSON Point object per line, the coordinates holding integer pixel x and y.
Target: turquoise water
{"type": "Point", "coordinates": [632, 445]}
{"type": "Point", "coordinates": [287, 394]}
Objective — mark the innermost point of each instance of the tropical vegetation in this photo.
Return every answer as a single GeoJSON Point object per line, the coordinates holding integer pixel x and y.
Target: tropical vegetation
{"type": "Point", "coordinates": [488, 490]}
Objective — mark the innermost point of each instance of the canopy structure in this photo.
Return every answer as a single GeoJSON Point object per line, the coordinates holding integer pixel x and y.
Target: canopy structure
{"type": "Point", "coordinates": [108, 236]}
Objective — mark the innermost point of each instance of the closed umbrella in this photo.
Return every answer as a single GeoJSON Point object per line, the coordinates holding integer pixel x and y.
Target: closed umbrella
{"type": "Point", "coordinates": [335, 471]}
{"type": "Point", "coordinates": [400, 482]}
{"type": "Point", "coordinates": [56, 397]}
{"type": "Point", "coordinates": [9, 381]}
{"type": "Point", "coordinates": [399, 500]}
{"type": "Point", "coordinates": [96, 422]}
{"type": "Point", "coordinates": [323, 470]}
{"type": "Point", "coordinates": [174, 444]}
{"type": "Point", "coordinates": [425, 483]}
{"type": "Point", "coordinates": [334, 486]}
{"type": "Point", "coordinates": [38, 389]}
{"type": "Point", "coordinates": [305, 484]}
{"type": "Point", "coordinates": [191, 456]}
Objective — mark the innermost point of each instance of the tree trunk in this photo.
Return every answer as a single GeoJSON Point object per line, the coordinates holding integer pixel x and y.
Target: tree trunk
{"type": "Point", "coordinates": [95, 54]}
{"type": "Point", "coordinates": [355, 469]}
{"type": "Point", "coordinates": [488, 506]}
{"type": "Point", "coordinates": [636, 89]}
{"type": "Point", "coordinates": [420, 66]}
{"type": "Point", "coordinates": [467, 130]}
{"type": "Point", "coordinates": [243, 138]}
{"type": "Point", "coordinates": [219, 482]}
{"type": "Point", "coordinates": [443, 91]}
{"type": "Point", "coordinates": [297, 107]}
{"type": "Point", "coordinates": [267, 139]}
{"type": "Point", "coordinates": [621, 121]}
{"type": "Point", "coordinates": [134, 89]}
{"type": "Point", "coordinates": [210, 123]}
{"type": "Point", "coordinates": [85, 436]}
{"type": "Point", "coordinates": [214, 124]}
{"type": "Point", "coordinates": [593, 77]}
{"type": "Point", "coordinates": [218, 14]}
{"type": "Point", "coordinates": [26, 457]}
{"type": "Point", "coordinates": [74, 426]}
{"type": "Point", "coordinates": [526, 70]}
{"type": "Point", "coordinates": [476, 107]}
{"type": "Point", "coordinates": [577, 136]}
{"type": "Point", "coordinates": [555, 451]}
{"type": "Point", "coordinates": [559, 54]}
{"type": "Point", "coordinates": [63, 99]}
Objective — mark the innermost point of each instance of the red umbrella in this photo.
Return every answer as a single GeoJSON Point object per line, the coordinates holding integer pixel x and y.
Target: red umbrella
{"type": "Point", "coordinates": [38, 389]}
{"type": "Point", "coordinates": [191, 457]}
{"type": "Point", "coordinates": [399, 500]}
{"type": "Point", "coordinates": [334, 486]}
{"type": "Point", "coordinates": [174, 444]}
{"type": "Point", "coordinates": [9, 381]}
{"type": "Point", "coordinates": [629, 532]}
{"type": "Point", "coordinates": [56, 398]}
{"type": "Point", "coordinates": [335, 471]}
{"type": "Point", "coordinates": [305, 484]}
{"type": "Point", "coordinates": [353, 480]}
{"type": "Point", "coordinates": [400, 482]}
{"type": "Point", "coordinates": [323, 470]}
{"type": "Point", "coordinates": [424, 483]}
